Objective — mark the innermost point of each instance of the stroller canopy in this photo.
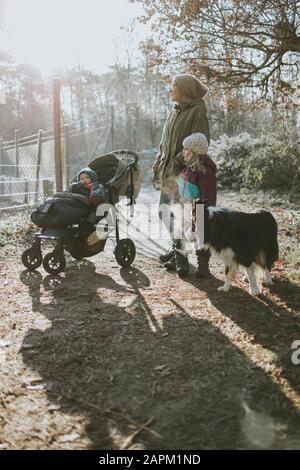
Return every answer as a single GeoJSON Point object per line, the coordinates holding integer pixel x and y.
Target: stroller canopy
{"type": "Point", "coordinates": [114, 168]}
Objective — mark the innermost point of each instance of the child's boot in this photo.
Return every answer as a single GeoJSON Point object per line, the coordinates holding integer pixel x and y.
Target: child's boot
{"type": "Point", "coordinates": [182, 263]}
{"type": "Point", "coordinates": [203, 257]}
{"type": "Point", "coordinates": [169, 257]}
{"type": "Point", "coordinates": [169, 254]}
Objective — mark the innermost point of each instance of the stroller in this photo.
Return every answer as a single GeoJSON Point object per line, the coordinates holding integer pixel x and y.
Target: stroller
{"type": "Point", "coordinates": [71, 221]}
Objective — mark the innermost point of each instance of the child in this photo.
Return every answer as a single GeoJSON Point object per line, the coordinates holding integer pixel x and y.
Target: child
{"type": "Point", "coordinates": [88, 185]}
{"type": "Point", "coordinates": [196, 180]}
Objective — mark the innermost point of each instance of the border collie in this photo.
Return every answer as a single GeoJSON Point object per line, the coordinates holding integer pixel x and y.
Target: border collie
{"type": "Point", "coordinates": [239, 238]}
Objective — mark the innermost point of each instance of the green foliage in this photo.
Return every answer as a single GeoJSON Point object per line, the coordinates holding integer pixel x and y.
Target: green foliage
{"type": "Point", "coordinates": [272, 167]}
{"type": "Point", "coordinates": [257, 164]}
{"type": "Point", "coordinates": [231, 153]}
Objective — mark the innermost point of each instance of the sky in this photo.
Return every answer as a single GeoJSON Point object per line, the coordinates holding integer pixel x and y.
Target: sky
{"type": "Point", "coordinates": [61, 33]}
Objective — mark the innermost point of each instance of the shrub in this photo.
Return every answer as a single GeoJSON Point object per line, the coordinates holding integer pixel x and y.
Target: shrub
{"type": "Point", "coordinates": [272, 167]}
{"type": "Point", "coordinates": [231, 154]}
{"type": "Point", "coordinates": [258, 164]}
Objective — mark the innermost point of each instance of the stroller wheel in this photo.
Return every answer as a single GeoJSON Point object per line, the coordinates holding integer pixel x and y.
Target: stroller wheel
{"type": "Point", "coordinates": [54, 263]}
{"type": "Point", "coordinates": [32, 259]}
{"type": "Point", "coordinates": [125, 252]}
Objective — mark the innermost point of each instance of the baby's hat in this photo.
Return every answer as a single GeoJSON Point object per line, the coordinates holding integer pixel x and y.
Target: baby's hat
{"type": "Point", "coordinates": [92, 174]}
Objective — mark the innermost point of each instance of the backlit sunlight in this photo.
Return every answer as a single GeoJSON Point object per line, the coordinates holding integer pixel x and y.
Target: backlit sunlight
{"type": "Point", "coordinates": [60, 33]}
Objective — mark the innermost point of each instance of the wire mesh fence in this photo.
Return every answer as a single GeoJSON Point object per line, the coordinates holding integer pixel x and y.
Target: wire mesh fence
{"type": "Point", "coordinates": [81, 145]}
{"type": "Point", "coordinates": [27, 159]}
{"type": "Point", "coordinates": [26, 170]}
{"type": "Point", "coordinates": [25, 107]}
{"type": "Point", "coordinates": [27, 166]}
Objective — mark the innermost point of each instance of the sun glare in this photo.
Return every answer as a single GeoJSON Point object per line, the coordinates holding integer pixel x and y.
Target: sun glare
{"type": "Point", "coordinates": [60, 33]}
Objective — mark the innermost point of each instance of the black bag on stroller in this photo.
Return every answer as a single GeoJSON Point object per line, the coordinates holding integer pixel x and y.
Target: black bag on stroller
{"type": "Point", "coordinates": [62, 210]}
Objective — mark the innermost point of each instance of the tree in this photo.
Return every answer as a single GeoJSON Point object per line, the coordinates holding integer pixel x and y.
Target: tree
{"type": "Point", "coordinates": [241, 41]}
{"type": "Point", "coordinates": [27, 99]}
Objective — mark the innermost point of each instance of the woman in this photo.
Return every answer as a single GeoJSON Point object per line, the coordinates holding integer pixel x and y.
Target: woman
{"type": "Point", "coordinates": [188, 116]}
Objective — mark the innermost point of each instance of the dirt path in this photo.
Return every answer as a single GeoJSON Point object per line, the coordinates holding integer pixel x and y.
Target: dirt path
{"type": "Point", "coordinates": [103, 357]}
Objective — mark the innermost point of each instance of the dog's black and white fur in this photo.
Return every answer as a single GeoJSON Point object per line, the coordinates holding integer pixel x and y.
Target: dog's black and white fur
{"type": "Point", "coordinates": [239, 238]}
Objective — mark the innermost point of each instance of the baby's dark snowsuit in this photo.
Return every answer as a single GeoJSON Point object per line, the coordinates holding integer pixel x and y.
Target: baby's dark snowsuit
{"type": "Point", "coordinates": [65, 209]}
{"type": "Point", "coordinates": [94, 190]}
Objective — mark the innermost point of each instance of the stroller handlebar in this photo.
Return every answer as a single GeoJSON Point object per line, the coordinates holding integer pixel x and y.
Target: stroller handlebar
{"type": "Point", "coordinates": [127, 153]}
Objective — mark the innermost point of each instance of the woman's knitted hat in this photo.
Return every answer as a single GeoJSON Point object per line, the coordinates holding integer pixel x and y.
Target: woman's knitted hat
{"type": "Point", "coordinates": [190, 86]}
{"type": "Point", "coordinates": [196, 142]}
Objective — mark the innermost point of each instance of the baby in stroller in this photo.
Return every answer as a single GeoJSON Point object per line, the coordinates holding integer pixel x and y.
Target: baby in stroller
{"type": "Point", "coordinates": [87, 184]}
{"type": "Point", "coordinates": [70, 217]}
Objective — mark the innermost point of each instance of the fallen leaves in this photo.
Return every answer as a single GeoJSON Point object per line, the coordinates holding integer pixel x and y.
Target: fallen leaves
{"type": "Point", "coordinates": [94, 357]}
{"type": "Point", "coordinates": [69, 437]}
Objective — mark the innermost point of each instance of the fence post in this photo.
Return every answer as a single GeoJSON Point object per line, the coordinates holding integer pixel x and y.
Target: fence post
{"type": "Point", "coordinates": [51, 187]}
{"type": "Point", "coordinates": [9, 192]}
{"type": "Point", "coordinates": [38, 164]}
{"type": "Point", "coordinates": [57, 134]}
{"type": "Point", "coordinates": [68, 155]}
{"type": "Point", "coordinates": [136, 128]}
{"type": "Point", "coordinates": [1, 154]}
{"type": "Point", "coordinates": [46, 188]}
{"type": "Point", "coordinates": [17, 152]}
{"type": "Point", "coordinates": [1, 163]}
{"type": "Point", "coordinates": [127, 127]}
{"type": "Point", "coordinates": [112, 127]}
{"type": "Point", "coordinates": [26, 191]}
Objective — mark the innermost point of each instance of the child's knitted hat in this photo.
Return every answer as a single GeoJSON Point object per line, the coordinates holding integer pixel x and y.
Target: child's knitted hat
{"type": "Point", "coordinates": [196, 142]}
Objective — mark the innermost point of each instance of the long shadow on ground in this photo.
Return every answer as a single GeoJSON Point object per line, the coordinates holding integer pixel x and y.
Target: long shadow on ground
{"type": "Point", "coordinates": [112, 364]}
{"type": "Point", "coordinates": [272, 320]}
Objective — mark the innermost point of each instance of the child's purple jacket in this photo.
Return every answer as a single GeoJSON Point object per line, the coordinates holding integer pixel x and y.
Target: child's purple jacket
{"type": "Point", "coordinates": [196, 184]}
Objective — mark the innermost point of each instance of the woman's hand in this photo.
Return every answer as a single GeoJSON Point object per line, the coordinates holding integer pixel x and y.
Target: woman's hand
{"type": "Point", "coordinates": [178, 163]}
{"type": "Point", "coordinates": [156, 182]}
